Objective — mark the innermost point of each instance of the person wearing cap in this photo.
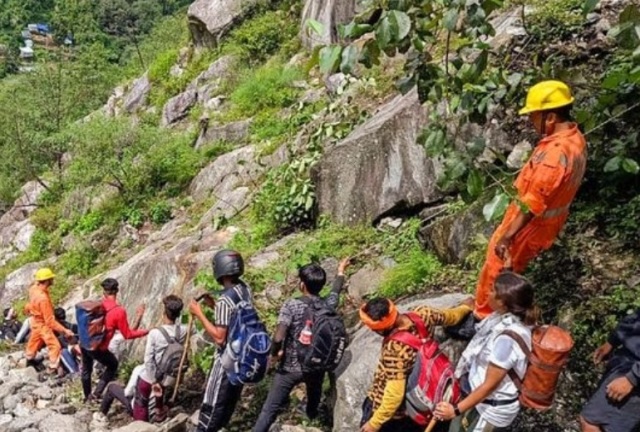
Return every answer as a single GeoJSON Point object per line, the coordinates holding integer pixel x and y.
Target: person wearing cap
{"type": "Point", "coordinates": [546, 186]}
{"type": "Point", "coordinates": [382, 409]}
{"type": "Point", "coordinates": [43, 321]}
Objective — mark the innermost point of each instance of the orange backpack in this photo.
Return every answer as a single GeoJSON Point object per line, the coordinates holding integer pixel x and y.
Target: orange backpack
{"type": "Point", "coordinates": [549, 354]}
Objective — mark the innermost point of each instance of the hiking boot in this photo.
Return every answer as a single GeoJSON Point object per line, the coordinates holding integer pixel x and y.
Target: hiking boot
{"type": "Point", "coordinates": [465, 330]}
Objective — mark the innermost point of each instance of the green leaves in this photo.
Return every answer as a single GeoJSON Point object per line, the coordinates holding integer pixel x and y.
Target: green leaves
{"type": "Point", "coordinates": [450, 19]}
{"type": "Point", "coordinates": [618, 163]}
{"type": "Point", "coordinates": [349, 57]}
{"type": "Point", "coordinates": [496, 208]}
{"type": "Point", "coordinates": [630, 166]}
{"type": "Point", "coordinates": [589, 6]}
{"type": "Point", "coordinates": [315, 26]}
{"type": "Point", "coordinates": [394, 27]}
{"type": "Point", "coordinates": [475, 183]}
{"type": "Point", "coordinates": [329, 58]}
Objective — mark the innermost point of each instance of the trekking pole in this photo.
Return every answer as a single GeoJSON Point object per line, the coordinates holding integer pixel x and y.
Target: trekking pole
{"type": "Point", "coordinates": [434, 421]}
{"type": "Point", "coordinates": [182, 360]}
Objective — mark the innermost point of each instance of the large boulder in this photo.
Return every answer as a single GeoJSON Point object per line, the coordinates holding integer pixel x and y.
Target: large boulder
{"type": "Point", "coordinates": [234, 132]}
{"type": "Point", "coordinates": [330, 14]}
{"type": "Point", "coordinates": [137, 96]}
{"type": "Point", "coordinates": [355, 373]}
{"type": "Point", "coordinates": [17, 283]}
{"type": "Point", "coordinates": [209, 20]}
{"type": "Point", "coordinates": [451, 237]}
{"type": "Point", "coordinates": [379, 169]}
{"type": "Point", "coordinates": [178, 107]}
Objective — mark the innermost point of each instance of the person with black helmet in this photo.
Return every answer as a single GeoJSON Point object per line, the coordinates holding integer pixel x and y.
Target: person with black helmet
{"type": "Point", "coordinates": [221, 397]}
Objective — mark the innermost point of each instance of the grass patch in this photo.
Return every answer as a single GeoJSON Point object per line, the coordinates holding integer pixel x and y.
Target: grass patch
{"type": "Point", "coordinates": [412, 272]}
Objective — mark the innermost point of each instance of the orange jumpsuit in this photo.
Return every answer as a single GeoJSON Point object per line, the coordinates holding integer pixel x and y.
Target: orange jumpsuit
{"type": "Point", "coordinates": [43, 325]}
{"type": "Point", "coordinates": [546, 185]}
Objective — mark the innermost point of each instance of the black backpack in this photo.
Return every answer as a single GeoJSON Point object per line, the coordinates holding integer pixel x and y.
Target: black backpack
{"type": "Point", "coordinates": [328, 340]}
{"type": "Point", "coordinates": [167, 368]}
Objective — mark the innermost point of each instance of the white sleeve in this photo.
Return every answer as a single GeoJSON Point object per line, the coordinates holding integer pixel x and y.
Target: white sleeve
{"type": "Point", "coordinates": [503, 352]}
{"type": "Point", "coordinates": [150, 355]}
{"type": "Point", "coordinates": [133, 381]}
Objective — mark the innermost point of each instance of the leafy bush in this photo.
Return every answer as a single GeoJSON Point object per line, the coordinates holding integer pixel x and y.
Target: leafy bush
{"type": "Point", "coordinates": [89, 222]}
{"type": "Point", "coordinates": [161, 66]}
{"type": "Point", "coordinates": [265, 88]}
{"type": "Point", "coordinates": [414, 269]}
{"type": "Point", "coordinates": [79, 261]}
{"type": "Point", "coordinates": [261, 37]}
{"type": "Point", "coordinates": [556, 17]}
{"type": "Point", "coordinates": [160, 213]}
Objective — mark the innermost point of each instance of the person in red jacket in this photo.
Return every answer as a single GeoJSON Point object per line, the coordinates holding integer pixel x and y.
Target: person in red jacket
{"type": "Point", "coordinates": [115, 319]}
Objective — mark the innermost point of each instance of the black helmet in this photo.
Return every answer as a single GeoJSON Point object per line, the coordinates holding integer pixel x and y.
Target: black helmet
{"type": "Point", "coordinates": [227, 263]}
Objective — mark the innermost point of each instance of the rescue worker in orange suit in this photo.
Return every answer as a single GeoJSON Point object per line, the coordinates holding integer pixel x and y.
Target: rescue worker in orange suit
{"type": "Point", "coordinates": [43, 321]}
{"type": "Point", "coordinates": [545, 188]}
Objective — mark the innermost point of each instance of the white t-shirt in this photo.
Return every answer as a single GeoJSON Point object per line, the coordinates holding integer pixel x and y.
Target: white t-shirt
{"type": "Point", "coordinates": [505, 353]}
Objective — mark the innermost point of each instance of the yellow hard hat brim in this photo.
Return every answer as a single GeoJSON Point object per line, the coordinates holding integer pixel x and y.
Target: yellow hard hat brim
{"type": "Point", "coordinates": [527, 110]}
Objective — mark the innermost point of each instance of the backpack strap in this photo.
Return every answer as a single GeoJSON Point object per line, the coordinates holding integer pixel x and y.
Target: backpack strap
{"type": "Point", "coordinates": [407, 338]}
{"type": "Point", "coordinates": [420, 325]}
{"type": "Point", "coordinates": [168, 338]}
{"type": "Point", "coordinates": [525, 349]}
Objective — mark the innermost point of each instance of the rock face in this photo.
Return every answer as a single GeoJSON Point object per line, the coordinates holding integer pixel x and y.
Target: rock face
{"type": "Point", "coordinates": [209, 20]}
{"type": "Point", "coordinates": [379, 169]}
{"type": "Point", "coordinates": [178, 107]}
{"type": "Point", "coordinates": [234, 132]}
{"type": "Point", "coordinates": [451, 237]}
{"type": "Point", "coordinates": [355, 374]}
{"type": "Point", "coordinates": [329, 13]}
{"type": "Point", "coordinates": [137, 96]}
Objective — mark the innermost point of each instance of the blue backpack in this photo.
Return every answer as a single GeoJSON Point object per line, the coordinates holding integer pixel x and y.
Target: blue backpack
{"type": "Point", "coordinates": [91, 315]}
{"type": "Point", "coordinates": [246, 355]}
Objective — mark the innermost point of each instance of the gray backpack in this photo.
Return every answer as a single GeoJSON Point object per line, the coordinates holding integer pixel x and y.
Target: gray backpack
{"type": "Point", "coordinates": [167, 368]}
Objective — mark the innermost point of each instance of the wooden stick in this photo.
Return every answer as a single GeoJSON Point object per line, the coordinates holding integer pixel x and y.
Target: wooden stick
{"type": "Point", "coordinates": [434, 420]}
{"type": "Point", "coordinates": [183, 359]}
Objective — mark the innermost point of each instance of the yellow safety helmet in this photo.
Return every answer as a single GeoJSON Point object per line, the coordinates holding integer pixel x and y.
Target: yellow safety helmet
{"type": "Point", "coordinates": [44, 274]}
{"type": "Point", "coordinates": [547, 95]}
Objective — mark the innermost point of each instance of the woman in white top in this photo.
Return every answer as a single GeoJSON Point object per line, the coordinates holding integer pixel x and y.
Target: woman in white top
{"type": "Point", "coordinates": [491, 401]}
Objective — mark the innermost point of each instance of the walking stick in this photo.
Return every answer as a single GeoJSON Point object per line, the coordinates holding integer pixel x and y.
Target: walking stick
{"type": "Point", "coordinates": [434, 421]}
{"type": "Point", "coordinates": [182, 360]}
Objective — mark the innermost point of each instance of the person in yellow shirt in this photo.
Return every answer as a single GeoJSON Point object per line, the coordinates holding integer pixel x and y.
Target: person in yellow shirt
{"type": "Point", "coordinates": [382, 409]}
{"type": "Point", "coordinates": [43, 321]}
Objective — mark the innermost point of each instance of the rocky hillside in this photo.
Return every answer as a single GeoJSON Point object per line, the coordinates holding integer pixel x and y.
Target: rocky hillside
{"type": "Point", "coordinates": [279, 129]}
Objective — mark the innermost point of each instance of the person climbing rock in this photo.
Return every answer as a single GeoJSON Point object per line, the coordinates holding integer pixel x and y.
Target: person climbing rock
{"type": "Point", "coordinates": [291, 324]}
{"type": "Point", "coordinates": [43, 321]}
{"type": "Point", "coordinates": [546, 186]}
{"type": "Point", "coordinates": [220, 397]}
{"type": "Point", "coordinates": [115, 319]}
{"type": "Point", "coordinates": [490, 398]}
{"type": "Point", "coordinates": [615, 406]}
{"type": "Point", "coordinates": [148, 398]}
{"type": "Point", "coordinates": [382, 409]}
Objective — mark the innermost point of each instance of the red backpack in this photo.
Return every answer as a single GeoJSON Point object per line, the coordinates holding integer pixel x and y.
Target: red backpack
{"type": "Point", "coordinates": [432, 378]}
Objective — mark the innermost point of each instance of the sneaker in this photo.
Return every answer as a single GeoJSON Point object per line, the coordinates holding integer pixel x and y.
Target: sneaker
{"type": "Point", "coordinates": [465, 330]}
{"type": "Point", "coordinates": [98, 417]}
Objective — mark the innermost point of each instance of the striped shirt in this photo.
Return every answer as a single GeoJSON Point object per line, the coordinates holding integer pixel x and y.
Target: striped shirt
{"type": "Point", "coordinates": [226, 305]}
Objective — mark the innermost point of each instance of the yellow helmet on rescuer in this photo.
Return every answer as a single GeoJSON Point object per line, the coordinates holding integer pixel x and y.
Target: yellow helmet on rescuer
{"type": "Point", "coordinates": [547, 95]}
{"type": "Point", "coordinates": [44, 274]}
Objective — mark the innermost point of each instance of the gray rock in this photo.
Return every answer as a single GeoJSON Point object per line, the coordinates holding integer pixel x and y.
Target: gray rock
{"type": "Point", "coordinates": [42, 404]}
{"type": "Point", "coordinates": [229, 171]}
{"type": "Point", "coordinates": [379, 169]}
{"type": "Point", "coordinates": [518, 156]}
{"type": "Point", "coordinates": [5, 420]}
{"type": "Point", "coordinates": [451, 237]}
{"type": "Point", "coordinates": [217, 70]}
{"type": "Point", "coordinates": [290, 428]}
{"type": "Point", "coordinates": [178, 106]}
{"type": "Point", "coordinates": [330, 14]}
{"type": "Point", "coordinates": [62, 423]}
{"type": "Point", "coordinates": [336, 82]}
{"type": "Point", "coordinates": [234, 132]}
{"type": "Point", "coordinates": [229, 206]}
{"type": "Point", "coordinates": [22, 239]}
{"type": "Point", "coordinates": [209, 20]}
{"type": "Point", "coordinates": [138, 426]}
{"type": "Point", "coordinates": [365, 281]}
{"type": "Point", "coordinates": [64, 409]}
{"type": "Point", "coordinates": [355, 374]}
{"type": "Point", "coordinates": [603, 26]}
{"type": "Point", "coordinates": [137, 96]}
{"type": "Point", "coordinates": [18, 282]}
{"type": "Point", "coordinates": [43, 393]}
{"type": "Point", "coordinates": [8, 388]}
{"type": "Point", "coordinates": [263, 259]}
{"type": "Point", "coordinates": [19, 424]}
{"type": "Point", "coordinates": [24, 375]}
{"type": "Point", "coordinates": [176, 424]}
{"type": "Point", "coordinates": [23, 409]}
{"type": "Point", "coordinates": [11, 402]}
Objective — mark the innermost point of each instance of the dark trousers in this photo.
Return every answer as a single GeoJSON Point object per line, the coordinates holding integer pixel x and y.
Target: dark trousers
{"type": "Point", "coordinates": [108, 360]}
{"type": "Point", "coordinates": [113, 392]}
{"type": "Point", "coordinates": [404, 424]}
{"type": "Point", "coordinates": [278, 398]}
{"type": "Point", "coordinates": [220, 399]}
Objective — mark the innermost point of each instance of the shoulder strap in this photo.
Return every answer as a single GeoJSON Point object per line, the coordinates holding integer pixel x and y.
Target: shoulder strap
{"type": "Point", "coordinates": [419, 323]}
{"type": "Point", "coordinates": [166, 335]}
{"type": "Point", "coordinates": [406, 338]}
{"type": "Point", "coordinates": [527, 352]}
